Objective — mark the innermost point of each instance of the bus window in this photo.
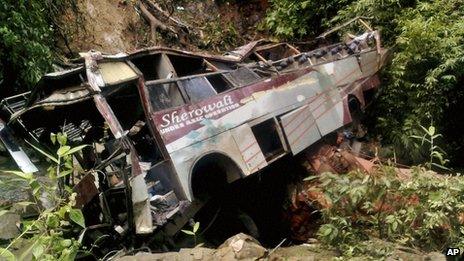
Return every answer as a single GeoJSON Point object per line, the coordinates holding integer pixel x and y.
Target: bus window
{"type": "Point", "coordinates": [165, 96]}
{"type": "Point", "coordinates": [242, 76]}
{"type": "Point", "coordinates": [219, 83]}
{"type": "Point", "coordinates": [267, 136]}
{"type": "Point", "coordinates": [148, 65]}
{"type": "Point", "coordinates": [198, 88]}
{"type": "Point", "coordinates": [185, 66]}
{"type": "Point", "coordinates": [277, 52]}
{"type": "Point", "coordinates": [134, 121]}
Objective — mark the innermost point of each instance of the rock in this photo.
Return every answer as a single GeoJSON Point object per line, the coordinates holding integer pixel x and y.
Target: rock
{"type": "Point", "coordinates": [197, 253]}
{"type": "Point", "coordinates": [8, 228]}
{"type": "Point", "coordinates": [143, 256]}
{"type": "Point", "coordinates": [240, 247]}
{"type": "Point", "coordinates": [302, 252]}
{"type": "Point", "coordinates": [187, 254]}
{"type": "Point", "coordinates": [409, 254]}
{"type": "Point", "coordinates": [434, 256]}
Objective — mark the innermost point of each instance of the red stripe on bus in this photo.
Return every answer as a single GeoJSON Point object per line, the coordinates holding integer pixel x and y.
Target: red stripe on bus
{"type": "Point", "coordinates": [352, 72]}
{"type": "Point", "coordinates": [309, 127]}
{"type": "Point", "coordinates": [254, 155]}
{"type": "Point", "coordinates": [313, 98]}
{"type": "Point", "coordinates": [248, 147]}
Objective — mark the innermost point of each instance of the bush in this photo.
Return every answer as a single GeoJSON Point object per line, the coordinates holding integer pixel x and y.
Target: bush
{"type": "Point", "coordinates": [423, 82]}
{"type": "Point", "coordinates": [25, 40]}
{"type": "Point", "coordinates": [423, 210]}
{"type": "Point", "coordinates": [28, 29]}
{"type": "Point", "coordinates": [50, 234]}
{"type": "Point", "coordinates": [292, 19]}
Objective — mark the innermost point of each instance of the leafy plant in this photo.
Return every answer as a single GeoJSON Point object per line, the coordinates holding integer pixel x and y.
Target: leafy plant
{"type": "Point", "coordinates": [220, 35]}
{"type": "Point", "coordinates": [423, 210]}
{"type": "Point", "coordinates": [423, 79]}
{"type": "Point", "coordinates": [28, 29]}
{"type": "Point", "coordinates": [436, 154]}
{"type": "Point", "coordinates": [50, 233]}
{"type": "Point", "coordinates": [297, 19]}
{"type": "Point", "coordinates": [193, 232]}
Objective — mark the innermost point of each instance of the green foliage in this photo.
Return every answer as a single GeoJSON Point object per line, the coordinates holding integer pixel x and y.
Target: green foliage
{"type": "Point", "coordinates": [421, 211]}
{"type": "Point", "coordinates": [47, 232]}
{"type": "Point", "coordinates": [25, 40]}
{"type": "Point", "coordinates": [219, 35]}
{"type": "Point", "coordinates": [423, 80]}
{"type": "Point", "coordinates": [296, 19]}
{"type": "Point", "coordinates": [436, 154]}
{"type": "Point", "coordinates": [384, 15]}
{"type": "Point", "coordinates": [193, 232]}
{"type": "Point", "coordinates": [27, 31]}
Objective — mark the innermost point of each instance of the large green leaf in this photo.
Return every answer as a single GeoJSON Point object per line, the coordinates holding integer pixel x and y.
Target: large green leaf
{"type": "Point", "coordinates": [64, 173]}
{"type": "Point", "coordinates": [26, 176]}
{"type": "Point", "coordinates": [196, 227]}
{"type": "Point", "coordinates": [62, 138]}
{"type": "Point", "coordinates": [43, 152]}
{"type": "Point", "coordinates": [75, 149]}
{"type": "Point", "coordinates": [53, 137]}
{"type": "Point", "coordinates": [5, 254]}
{"type": "Point", "coordinates": [188, 232]}
{"type": "Point", "coordinates": [29, 250]}
{"type": "Point", "coordinates": [62, 150]}
{"type": "Point", "coordinates": [77, 217]}
{"type": "Point", "coordinates": [38, 250]}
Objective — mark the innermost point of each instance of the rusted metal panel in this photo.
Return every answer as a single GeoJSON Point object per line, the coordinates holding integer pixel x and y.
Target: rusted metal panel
{"type": "Point", "coordinates": [369, 63]}
{"type": "Point", "coordinates": [86, 190]}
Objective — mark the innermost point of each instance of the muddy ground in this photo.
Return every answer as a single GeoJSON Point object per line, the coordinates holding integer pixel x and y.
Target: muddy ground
{"type": "Point", "coordinates": [114, 26]}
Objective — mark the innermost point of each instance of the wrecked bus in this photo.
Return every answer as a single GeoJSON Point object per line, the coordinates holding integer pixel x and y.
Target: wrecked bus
{"type": "Point", "coordinates": [169, 128]}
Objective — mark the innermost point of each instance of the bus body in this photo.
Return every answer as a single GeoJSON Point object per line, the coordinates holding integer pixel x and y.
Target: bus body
{"type": "Point", "coordinates": [186, 123]}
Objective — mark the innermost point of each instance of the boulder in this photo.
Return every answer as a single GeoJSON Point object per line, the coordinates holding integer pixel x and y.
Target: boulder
{"type": "Point", "coordinates": [8, 228]}
{"type": "Point", "coordinates": [240, 247]}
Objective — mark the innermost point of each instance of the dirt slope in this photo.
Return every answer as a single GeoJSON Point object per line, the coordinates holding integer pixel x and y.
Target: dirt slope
{"type": "Point", "coordinates": [113, 26]}
{"type": "Point", "coordinates": [104, 25]}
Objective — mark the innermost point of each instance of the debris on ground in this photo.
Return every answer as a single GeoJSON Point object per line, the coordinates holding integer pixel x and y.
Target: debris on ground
{"type": "Point", "coordinates": [244, 247]}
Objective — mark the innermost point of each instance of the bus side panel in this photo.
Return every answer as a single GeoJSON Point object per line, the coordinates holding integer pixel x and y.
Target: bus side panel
{"type": "Point", "coordinates": [184, 159]}
{"type": "Point", "coordinates": [328, 111]}
{"type": "Point", "coordinates": [300, 128]}
{"type": "Point", "coordinates": [249, 148]}
{"type": "Point", "coordinates": [369, 63]}
{"type": "Point", "coordinates": [343, 71]}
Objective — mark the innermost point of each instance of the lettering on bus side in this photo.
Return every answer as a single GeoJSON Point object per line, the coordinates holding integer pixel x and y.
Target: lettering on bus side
{"type": "Point", "coordinates": [177, 119]}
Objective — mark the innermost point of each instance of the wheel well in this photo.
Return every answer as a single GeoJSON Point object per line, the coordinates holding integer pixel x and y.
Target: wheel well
{"type": "Point", "coordinates": [211, 174]}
